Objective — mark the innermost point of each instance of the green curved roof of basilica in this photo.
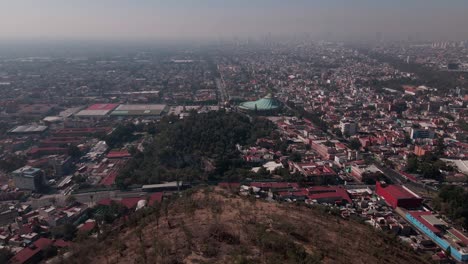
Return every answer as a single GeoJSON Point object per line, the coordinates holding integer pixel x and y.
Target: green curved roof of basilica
{"type": "Point", "coordinates": [264, 104]}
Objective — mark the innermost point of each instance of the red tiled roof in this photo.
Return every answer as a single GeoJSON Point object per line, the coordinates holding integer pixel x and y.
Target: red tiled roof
{"type": "Point", "coordinates": [62, 243]}
{"type": "Point", "coordinates": [105, 201]}
{"type": "Point", "coordinates": [399, 192]}
{"type": "Point", "coordinates": [88, 226]}
{"type": "Point", "coordinates": [409, 176]}
{"type": "Point", "coordinates": [43, 242]}
{"type": "Point", "coordinates": [109, 179]}
{"type": "Point", "coordinates": [26, 229]}
{"type": "Point", "coordinates": [155, 197]}
{"type": "Point", "coordinates": [102, 107]}
{"type": "Point", "coordinates": [131, 202]}
{"type": "Point", "coordinates": [312, 169]}
{"type": "Point", "coordinates": [325, 192]}
{"type": "Point", "coordinates": [26, 254]}
{"type": "Point", "coordinates": [340, 145]}
{"type": "Point", "coordinates": [459, 235]}
{"type": "Point", "coordinates": [115, 154]}
{"type": "Point", "coordinates": [301, 192]}
{"type": "Point", "coordinates": [47, 149]}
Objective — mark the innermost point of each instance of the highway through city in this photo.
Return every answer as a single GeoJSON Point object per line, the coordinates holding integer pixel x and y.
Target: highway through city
{"type": "Point", "coordinates": [420, 188]}
{"type": "Point", "coordinates": [89, 198]}
{"type": "Point", "coordinates": [223, 95]}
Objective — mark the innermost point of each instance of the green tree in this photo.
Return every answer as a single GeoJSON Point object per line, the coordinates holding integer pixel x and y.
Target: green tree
{"type": "Point", "coordinates": [412, 164]}
{"type": "Point", "coordinates": [121, 134]}
{"type": "Point", "coordinates": [10, 163]}
{"type": "Point", "coordinates": [337, 132]}
{"type": "Point", "coordinates": [49, 252]}
{"type": "Point", "coordinates": [354, 144]}
{"type": "Point", "coordinates": [199, 147]}
{"type": "Point", "coordinates": [295, 156]}
{"type": "Point", "coordinates": [263, 171]}
{"type": "Point", "coordinates": [66, 231]}
{"type": "Point", "coordinates": [5, 255]}
{"type": "Point", "coordinates": [74, 152]}
{"type": "Point", "coordinates": [70, 200]}
{"type": "Point", "coordinates": [440, 147]}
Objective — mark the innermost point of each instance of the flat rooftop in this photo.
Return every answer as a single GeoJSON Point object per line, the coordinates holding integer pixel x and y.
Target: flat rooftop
{"type": "Point", "coordinates": [26, 170]}
{"type": "Point", "coordinates": [93, 113]}
{"type": "Point", "coordinates": [400, 192]}
{"type": "Point", "coordinates": [433, 220]}
{"type": "Point", "coordinates": [140, 109]}
{"type": "Point", "coordinates": [97, 110]}
{"type": "Point", "coordinates": [162, 185]}
{"type": "Point", "coordinates": [418, 215]}
{"type": "Point", "coordinates": [102, 107]}
{"type": "Point", "coordinates": [28, 129]}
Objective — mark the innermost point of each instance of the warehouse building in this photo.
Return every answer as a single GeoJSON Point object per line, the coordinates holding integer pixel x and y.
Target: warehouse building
{"type": "Point", "coordinates": [329, 194]}
{"type": "Point", "coordinates": [146, 110]}
{"type": "Point", "coordinates": [450, 239]}
{"type": "Point", "coordinates": [97, 110]}
{"type": "Point", "coordinates": [28, 130]}
{"type": "Point", "coordinates": [398, 196]}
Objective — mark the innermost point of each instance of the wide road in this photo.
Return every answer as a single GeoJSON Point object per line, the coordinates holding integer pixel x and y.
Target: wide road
{"type": "Point", "coordinates": [419, 188]}
{"type": "Point", "coordinates": [223, 95]}
{"type": "Point", "coordinates": [89, 198]}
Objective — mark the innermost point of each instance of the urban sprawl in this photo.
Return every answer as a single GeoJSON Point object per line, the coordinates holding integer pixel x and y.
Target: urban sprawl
{"type": "Point", "coordinates": [361, 132]}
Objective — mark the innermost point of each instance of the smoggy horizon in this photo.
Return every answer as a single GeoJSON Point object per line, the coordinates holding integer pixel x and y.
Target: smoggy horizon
{"type": "Point", "coordinates": [145, 20]}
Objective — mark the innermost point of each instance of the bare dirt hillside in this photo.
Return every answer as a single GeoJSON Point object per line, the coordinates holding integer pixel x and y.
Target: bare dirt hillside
{"type": "Point", "coordinates": [216, 226]}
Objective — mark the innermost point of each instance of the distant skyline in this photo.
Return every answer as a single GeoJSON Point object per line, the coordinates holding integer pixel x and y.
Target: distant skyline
{"type": "Point", "coordinates": [135, 20]}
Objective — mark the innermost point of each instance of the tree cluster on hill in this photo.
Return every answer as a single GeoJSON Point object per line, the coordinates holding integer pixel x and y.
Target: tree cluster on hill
{"type": "Point", "coordinates": [428, 166]}
{"type": "Point", "coordinates": [126, 132]}
{"type": "Point", "coordinates": [451, 201]}
{"type": "Point", "coordinates": [121, 134]}
{"type": "Point", "coordinates": [199, 147]}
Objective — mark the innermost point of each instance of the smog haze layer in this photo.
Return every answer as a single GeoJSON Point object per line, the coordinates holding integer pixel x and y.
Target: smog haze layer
{"type": "Point", "coordinates": [149, 20]}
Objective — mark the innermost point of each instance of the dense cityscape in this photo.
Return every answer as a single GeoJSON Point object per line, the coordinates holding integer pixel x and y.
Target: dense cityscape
{"type": "Point", "coordinates": [364, 131]}
{"type": "Point", "coordinates": [244, 132]}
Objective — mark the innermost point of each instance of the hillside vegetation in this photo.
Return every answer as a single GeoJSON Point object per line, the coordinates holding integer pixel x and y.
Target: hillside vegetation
{"type": "Point", "coordinates": [215, 226]}
{"type": "Point", "coordinates": [199, 147]}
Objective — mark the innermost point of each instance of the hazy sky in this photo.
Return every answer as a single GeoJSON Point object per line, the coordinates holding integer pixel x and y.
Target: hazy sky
{"type": "Point", "coordinates": [182, 19]}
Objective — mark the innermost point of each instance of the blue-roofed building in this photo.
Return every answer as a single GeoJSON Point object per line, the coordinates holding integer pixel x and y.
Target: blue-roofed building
{"type": "Point", "coordinates": [267, 104]}
{"type": "Point", "coordinates": [452, 241]}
